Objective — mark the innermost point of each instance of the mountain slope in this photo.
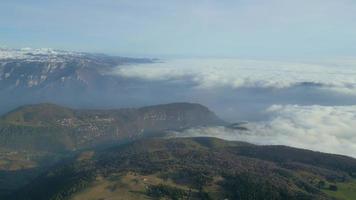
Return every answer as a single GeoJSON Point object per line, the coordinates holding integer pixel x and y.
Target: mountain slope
{"type": "Point", "coordinates": [61, 128]}
{"type": "Point", "coordinates": [33, 137]}
{"type": "Point", "coordinates": [192, 168]}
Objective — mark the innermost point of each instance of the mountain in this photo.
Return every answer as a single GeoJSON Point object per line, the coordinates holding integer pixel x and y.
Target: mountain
{"type": "Point", "coordinates": [33, 137]}
{"type": "Point", "coordinates": [71, 78]}
{"type": "Point", "coordinates": [46, 68]}
{"type": "Point", "coordinates": [52, 128]}
{"type": "Point", "coordinates": [195, 168]}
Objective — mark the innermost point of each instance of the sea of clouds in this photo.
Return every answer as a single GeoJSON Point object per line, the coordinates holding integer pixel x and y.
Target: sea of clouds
{"type": "Point", "coordinates": [234, 73]}
{"type": "Point", "coordinates": [308, 105]}
{"type": "Point", "coordinates": [320, 128]}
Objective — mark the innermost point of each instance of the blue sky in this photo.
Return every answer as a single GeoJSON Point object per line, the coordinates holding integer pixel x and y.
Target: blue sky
{"type": "Point", "coordinates": [229, 28]}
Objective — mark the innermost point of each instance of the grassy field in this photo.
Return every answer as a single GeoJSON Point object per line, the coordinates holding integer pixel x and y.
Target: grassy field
{"type": "Point", "coordinates": [346, 191]}
{"type": "Point", "coordinates": [123, 187]}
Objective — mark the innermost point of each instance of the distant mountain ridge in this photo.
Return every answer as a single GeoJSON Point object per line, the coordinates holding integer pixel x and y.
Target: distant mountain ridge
{"type": "Point", "coordinates": [41, 68]}
{"type": "Point", "coordinates": [46, 75]}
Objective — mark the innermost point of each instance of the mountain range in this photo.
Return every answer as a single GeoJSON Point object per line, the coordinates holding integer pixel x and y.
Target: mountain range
{"type": "Point", "coordinates": [70, 78]}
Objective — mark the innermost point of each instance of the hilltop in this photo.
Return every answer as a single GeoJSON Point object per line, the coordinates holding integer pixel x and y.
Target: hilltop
{"type": "Point", "coordinates": [51, 127]}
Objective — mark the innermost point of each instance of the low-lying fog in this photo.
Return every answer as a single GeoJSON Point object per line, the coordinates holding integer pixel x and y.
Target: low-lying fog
{"type": "Point", "coordinates": [309, 105]}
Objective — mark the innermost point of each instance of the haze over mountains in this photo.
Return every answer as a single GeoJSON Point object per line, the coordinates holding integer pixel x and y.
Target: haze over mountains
{"type": "Point", "coordinates": [281, 106]}
{"type": "Point", "coordinates": [92, 112]}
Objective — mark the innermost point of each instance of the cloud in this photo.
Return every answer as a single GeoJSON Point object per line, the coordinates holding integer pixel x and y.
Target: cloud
{"type": "Point", "coordinates": [322, 128]}
{"type": "Point", "coordinates": [234, 73]}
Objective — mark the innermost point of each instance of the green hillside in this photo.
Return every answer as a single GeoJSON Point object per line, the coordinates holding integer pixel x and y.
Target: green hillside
{"type": "Point", "coordinates": [53, 128]}
{"type": "Point", "coordinates": [37, 115]}
{"type": "Point", "coordinates": [194, 168]}
{"type": "Point", "coordinates": [33, 137]}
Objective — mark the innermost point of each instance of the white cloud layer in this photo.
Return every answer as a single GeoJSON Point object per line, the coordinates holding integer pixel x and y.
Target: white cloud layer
{"type": "Point", "coordinates": [214, 73]}
{"type": "Point", "coordinates": [329, 129]}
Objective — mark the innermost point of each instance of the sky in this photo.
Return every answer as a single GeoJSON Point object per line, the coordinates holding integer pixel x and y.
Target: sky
{"type": "Point", "coordinates": [268, 29]}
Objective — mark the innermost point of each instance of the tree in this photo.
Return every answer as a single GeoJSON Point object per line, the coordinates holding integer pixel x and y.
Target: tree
{"type": "Point", "coordinates": [333, 187]}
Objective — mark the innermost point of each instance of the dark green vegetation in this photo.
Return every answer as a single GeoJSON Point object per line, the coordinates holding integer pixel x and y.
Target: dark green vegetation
{"type": "Point", "coordinates": [161, 191]}
{"type": "Point", "coordinates": [194, 168]}
{"type": "Point", "coordinates": [34, 137]}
